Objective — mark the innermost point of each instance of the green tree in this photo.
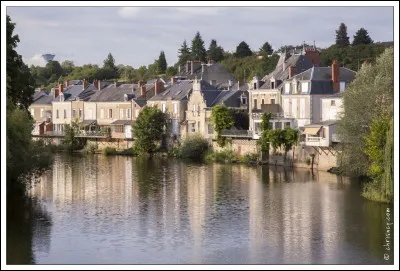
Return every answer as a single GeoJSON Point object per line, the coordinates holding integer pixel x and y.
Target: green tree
{"type": "Point", "coordinates": [342, 39]}
{"type": "Point", "coordinates": [223, 119]}
{"type": "Point", "coordinates": [291, 137]}
{"type": "Point", "coordinates": [243, 50]}
{"type": "Point", "coordinates": [20, 83]}
{"type": "Point", "coordinates": [67, 66]}
{"type": "Point", "coordinates": [266, 49]}
{"type": "Point", "coordinates": [71, 141]}
{"type": "Point", "coordinates": [198, 52]}
{"type": "Point", "coordinates": [184, 53]}
{"type": "Point", "coordinates": [109, 67]}
{"type": "Point", "coordinates": [149, 129]}
{"type": "Point", "coordinates": [362, 37]}
{"type": "Point", "coordinates": [162, 63]}
{"type": "Point", "coordinates": [264, 140]}
{"type": "Point", "coordinates": [171, 71]}
{"type": "Point", "coordinates": [53, 68]}
{"type": "Point", "coordinates": [215, 52]}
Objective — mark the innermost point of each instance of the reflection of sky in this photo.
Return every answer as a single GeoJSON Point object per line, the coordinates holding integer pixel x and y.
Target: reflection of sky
{"type": "Point", "coordinates": [124, 210]}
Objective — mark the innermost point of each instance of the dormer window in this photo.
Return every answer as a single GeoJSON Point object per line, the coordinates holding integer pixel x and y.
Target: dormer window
{"type": "Point", "coordinates": [287, 88]}
{"type": "Point", "coordinates": [304, 87]}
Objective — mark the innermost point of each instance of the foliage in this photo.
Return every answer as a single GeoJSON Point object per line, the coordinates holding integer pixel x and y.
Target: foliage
{"type": "Point", "coordinates": [171, 71]}
{"type": "Point", "coordinates": [224, 156]}
{"type": "Point", "coordinates": [362, 37]}
{"type": "Point", "coordinates": [109, 151]}
{"type": "Point", "coordinates": [215, 52]}
{"type": "Point", "coordinates": [148, 129]}
{"type": "Point", "coordinates": [249, 158]}
{"type": "Point", "coordinates": [266, 49]}
{"type": "Point", "coordinates": [198, 52]}
{"type": "Point", "coordinates": [388, 177]}
{"type": "Point", "coordinates": [128, 152]}
{"type": "Point", "coordinates": [90, 147]}
{"type": "Point", "coordinates": [342, 39]}
{"type": "Point", "coordinates": [162, 63]}
{"type": "Point", "coordinates": [291, 137]}
{"type": "Point", "coordinates": [194, 147]}
{"type": "Point", "coordinates": [264, 140]}
{"type": "Point", "coordinates": [184, 53]}
{"type": "Point", "coordinates": [243, 50]}
{"type": "Point", "coordinates": [20, 83]}
{"type": "Point", "coordinates": [222, 118]}
{"type": "Point", "coordinates": [73, 143]}
{"type": "Point", "coordinates": [241, 120]}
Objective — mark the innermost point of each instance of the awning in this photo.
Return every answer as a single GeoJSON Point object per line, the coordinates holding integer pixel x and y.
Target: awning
{"type": "Point", "coordinates": [87, 123]}
{"type": "Point", "coordinates": [312, 130]}
{"type": "Point", "coordinates": [121, 122]}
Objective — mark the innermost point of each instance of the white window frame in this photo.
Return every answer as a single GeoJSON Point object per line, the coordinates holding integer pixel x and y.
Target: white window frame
{"type": "Point", "coordinates": [110, 113]}
{"type": "Point", "coordinates": [121, 113]}
{"type": "Point", "coordinates": [163, 107]}
{"type": "Point", "coordinates": [287, 88]}
{"type": "Point", "coordinates": [128, 113]}
{"type": "Point", "coordinates": [304, 87]}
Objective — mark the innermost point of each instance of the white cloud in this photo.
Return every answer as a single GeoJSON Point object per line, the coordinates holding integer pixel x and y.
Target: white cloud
{"type": "Point", "coordinates": [129, 12]}
{"type": "Point", "coordinates": [36, 60]}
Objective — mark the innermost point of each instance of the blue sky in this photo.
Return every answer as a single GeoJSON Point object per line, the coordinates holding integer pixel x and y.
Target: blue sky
{"type": "Point", "coordinates": [136, 35]}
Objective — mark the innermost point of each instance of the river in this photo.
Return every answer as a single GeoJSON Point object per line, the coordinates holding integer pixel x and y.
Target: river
{"type": "Point", "coordinates": [123, 210]}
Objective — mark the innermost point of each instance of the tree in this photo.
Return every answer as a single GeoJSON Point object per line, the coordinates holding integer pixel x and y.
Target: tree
{"type": "Point", "coordinates": [53, 68]}
{"type": "Point", "coordinates": [341, 36]}
{"type": "Point", "coordinates": [222, 118]}
{"type": "Point", "coordinates": [171, 71]}
{"type": "Point", "coordinates": [67, 66]}
{"type": "Point", "coordinates": [149, 129]}
{"type": "Point", "coordinates": [243, 50]}
{"type": "Point", "coordinates": [109, 65]}
{"type": "Point", "coordinates": [362, 37]}
{"type": "Point", "coordinates": [20, 83]}
{"type": "Point", "coordinates": [184, 53]}
{"type": "Point", "coordinates": [263, 141]}
{"type": "Point", "coordinates": [162, 63]}
{"type": "Point", "coordinates": [266, 49]}
{"type": "Point", "coordinates": [215, 52]}
{"type": "Point", "coordinates": [291, 137]}
{"type": "Point", "coordinates": [198, 52]}
{"type": "Point", "coordinates": [367, 102]}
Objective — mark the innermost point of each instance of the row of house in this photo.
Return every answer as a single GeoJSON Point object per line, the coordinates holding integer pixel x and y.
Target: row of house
{"type": "Point", "coordinates": [299, 93]}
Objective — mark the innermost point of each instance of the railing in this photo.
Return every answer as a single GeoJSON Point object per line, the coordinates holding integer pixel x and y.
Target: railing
{"type": "Point", "coordinates": [314, 139]}
{"type": "Point", "coordinates": [257, 116]}
{"type": "Point", "coordinates": [237, 133]}
{"type": "Point", "coordinates": [93, 133]}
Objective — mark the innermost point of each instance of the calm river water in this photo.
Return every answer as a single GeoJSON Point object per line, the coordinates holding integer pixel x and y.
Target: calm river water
{"type": "Point", "coordinates": [123, 210]}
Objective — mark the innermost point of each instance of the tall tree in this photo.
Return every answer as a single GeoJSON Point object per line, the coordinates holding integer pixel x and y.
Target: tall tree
{"type": "Point", "coordinates": [342, 39]}
{"type": "Point", "coordinates": [243, 50]}
{"type": "Point", "coordinates": [53, 68]}
{"type": "Point", "coordinates": [109, 69]}
{"type": "Point", "coordinates": [20, 83]}
{"type": "Point", "coordinates": [198, 50]}
{"type": "Point", "coordinates": [223, 119]}
{"type": "Point", "coordinates": [67, 66]}
{"type": "Point", "coordinates": [162, 63]}
{"type": "Point", "coordinates": [215, 52]}
{"type": "Point", "coordinates": [362, 37]}
{"type": "Point", "coordinates": [266, 49]}
{"type": "Point", "coordinates": [184, 53]}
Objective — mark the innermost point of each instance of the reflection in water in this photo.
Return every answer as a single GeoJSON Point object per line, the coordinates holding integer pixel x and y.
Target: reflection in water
{"type": "Point", "coordinates": [121, 210]}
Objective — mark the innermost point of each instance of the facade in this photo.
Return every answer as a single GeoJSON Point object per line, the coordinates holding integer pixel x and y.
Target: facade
{"type": "Point", "coordinates": [41, 111]}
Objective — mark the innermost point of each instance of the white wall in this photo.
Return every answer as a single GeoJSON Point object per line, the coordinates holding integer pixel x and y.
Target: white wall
{"type": "Point", "coordinates": [329, 111]}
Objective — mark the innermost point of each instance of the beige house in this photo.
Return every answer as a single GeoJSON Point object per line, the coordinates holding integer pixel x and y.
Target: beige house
{"type": "Point", "coordinates": [41, 111]}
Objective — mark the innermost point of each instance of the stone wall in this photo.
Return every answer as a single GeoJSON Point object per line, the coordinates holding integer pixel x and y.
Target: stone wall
{"type": "Point", "coordinates": [118, 144]}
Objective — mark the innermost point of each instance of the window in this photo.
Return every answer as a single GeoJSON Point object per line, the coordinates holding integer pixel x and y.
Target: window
{"type": "Point", "coordinates": [121, 113]}
{"type": "Point", "coordinates": [287, 88]}
{"type": "Point", "coordinates": [128, 113]}
{"type": "Point", "coordinates": [175, 108]}
{"type": "Point", "coordinates": [333, 103]}
{"type": "Point", "coordinates": [57, 116]}
{"type": "Point", "coordinates": [65, 114]}
{"type": "Point", "coordinates": [278, 125]}
{"type": "Point", "coordinates": [304, 87]}
{"type": "Point", "coordinates": [272, 85]}
{"type": "Point", "coordinates": [102, 113]}
{"type": "Point", "coordinates": [287, 124]}
{"type": "Point", "coordinates": [255, 86]}
{"type": "Point", "coordinates": [73, 113]}
{"type": "Point", "coordinates": [41, 112]}
{"type": "Point", "coordinates": [294, 86]}
{"type": "Point", "coordinates": [272, 101]}
{"type": "Point", "coordinates": [80, 113]}
{"type": "Point", "coordinates": [119, 129]}
{"type": "Point", "coordinates": [163, 107]}
{"type": "Point", "coordinates": [342, 86]}
{"type": "Point", "coordinates": [110, 113]}
{"type": "Point", "coordinates": [262, 101]}
{"type": "Point", "coordinates": [210, 129]}
{"type": "Point", "coordinates": [244, 100]}
{"type": "Point", "coordinates": [193, 127]}
{"type": "Point", "coordinates": [255, 104]}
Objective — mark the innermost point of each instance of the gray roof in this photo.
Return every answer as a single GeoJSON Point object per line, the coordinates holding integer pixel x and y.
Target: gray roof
{"type": "Point", "coordinates": [301, 62]}
{"type": "Point", "coordinates": [121, 122]}
{"type": "Point", "coordinates": [180, 90]}
{"type": "Point", "coordinates": [112, 93]}
{"type": "Point", "coordinates": [230, 98]}
{"type": "Point", "coordinates": [74, 91]}
{"type": "Point", "coordinates": [321, 79]}
{"type": "Point", "coordinates": [42, 98]}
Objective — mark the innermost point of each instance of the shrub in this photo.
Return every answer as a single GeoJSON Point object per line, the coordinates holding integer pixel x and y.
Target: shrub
{"type": "Point", "coordinates": [225, 156]}
{"type": "Point", "coordinates": [109, 151]}
{"type": "Point", "coordinates": [129, 152]}
{"type": "Point", "coordinates": [193, 148]}
{"type": "Point", "coordinates": [90, 147]}
{"type": "Point", "coordinates": [249, 157]}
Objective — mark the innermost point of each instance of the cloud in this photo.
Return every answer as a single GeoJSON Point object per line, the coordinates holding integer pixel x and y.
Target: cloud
{"type": "Point", "coordinates": [129, 12]}
{"type": "Point", "coordinates": [36, 60]}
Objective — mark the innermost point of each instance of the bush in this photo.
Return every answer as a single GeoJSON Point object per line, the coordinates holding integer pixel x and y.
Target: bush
{"type": "Point", "coordinates": [109, 151]}
{"type": "Point", "coordinates": [193, 148]}
{"type": "Point", "coordinates": [249, 157]}
{"type": "Point", "coordinates": [129, 152]}
{"type": "Point", "coordinates": [174, 152]}
{"type": "Point", "coordinates": [225, 156]}
{"type": "Point", "coordinates": [90, 147]}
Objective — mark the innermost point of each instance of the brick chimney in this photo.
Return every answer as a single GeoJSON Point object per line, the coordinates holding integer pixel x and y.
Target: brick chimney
{"type": "Point", "coordinates": [292, 71]}
{"type": "Point", "coordinates": [335, 76]}
{"type": "Point", "coordinates": [173, 80]}
{"type": "Point", "coordinates": [60, 88]}
{"type": "Point", "coordinates": [66, 83]}
{"type": "Point", "coordinates": [158, 87]}
{"type": "Point", "coordinates": [55, 92]}
{"type": "Point", "coordinates": [85, 84]}
{"type": "Point", "coordinates": [313, 55]}
{"type": "Point", "coordinates": [96, 83]}
{"type": "Point", "coordinates": [140, 84]}
{"type": "Point", "coordinates": [142, 90]}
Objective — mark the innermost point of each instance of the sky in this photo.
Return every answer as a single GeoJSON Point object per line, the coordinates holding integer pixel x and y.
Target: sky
{"type": "Point", "coordinates": [136, 35]}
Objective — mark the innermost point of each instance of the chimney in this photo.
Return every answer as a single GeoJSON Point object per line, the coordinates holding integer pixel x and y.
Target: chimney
{"type": "Point", "coordinates": [96, 83]}
{"type": "Point", "coordinates": [85, 84]}
{"type": "Point", "coordinates": [313, 55]}
{"type": "Point", "coordinates": [60, 88]}
{"type": "Point", "coordinates": [140, 84]}
{"type": "Point", "coordinates": [55, 92]}
{"type": "Point", "coordinates": [66, 83]}
{"type": "Point", "coordinates": [158, 87]}
{"type": "Point", "coordinates": [173, 80]}
{"type": "Point", "coordinates": [336, 76]}
{"type": "Point", "coordinates": [292, 71]}
{"type": "Point", "coordinates": [142, 90]}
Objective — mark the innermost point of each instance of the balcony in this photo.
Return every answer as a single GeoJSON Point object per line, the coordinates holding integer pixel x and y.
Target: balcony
{"type": "Point", "coordinates": [237, 133]}
{"type": "Point", "coordinates": [316, 141]}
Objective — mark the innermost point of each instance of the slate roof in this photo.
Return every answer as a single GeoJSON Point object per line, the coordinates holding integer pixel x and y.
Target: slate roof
{"type": "Point", "coordinates": [42, 97]}
{"type": "Point", "coordinates": [230, 98]}
{"type": "Point", "coordinates": [74, 91]}
{"type": "Point", "coordinates": [301, 62]}
{"type": "Point", "coordinates": [114, 94]}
